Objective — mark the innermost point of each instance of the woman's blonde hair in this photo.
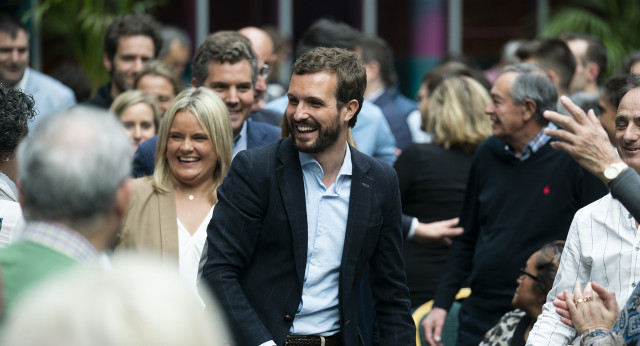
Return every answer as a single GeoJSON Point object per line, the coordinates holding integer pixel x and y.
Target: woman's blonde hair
{"type": "Point", "coordinates": [213, 116]}
{"type": "Point", "coordinates": [455, 114]}
{"type": "Point", "coordinates": [133, 97]}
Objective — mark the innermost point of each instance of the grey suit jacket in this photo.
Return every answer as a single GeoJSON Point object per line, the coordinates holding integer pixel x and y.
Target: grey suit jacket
{"type": "Point", "coordinates": [257, 247]}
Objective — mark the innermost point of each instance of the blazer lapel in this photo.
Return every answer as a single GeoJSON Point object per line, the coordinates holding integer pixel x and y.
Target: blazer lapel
{"type": "Point", "coordinates": [291, 183]}
{"type": "Point", "coordinates": [360, 203]}
{"type": "Point", "coordinates": [168, 226]}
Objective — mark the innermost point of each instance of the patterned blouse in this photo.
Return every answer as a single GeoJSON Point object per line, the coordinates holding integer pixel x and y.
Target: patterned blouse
{"type": "Point", "coordinates": [509, 330]}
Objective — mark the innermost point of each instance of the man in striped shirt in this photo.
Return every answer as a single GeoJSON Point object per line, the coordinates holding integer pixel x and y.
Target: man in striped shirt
{"type": "Point", "coordinates": [603, 244]}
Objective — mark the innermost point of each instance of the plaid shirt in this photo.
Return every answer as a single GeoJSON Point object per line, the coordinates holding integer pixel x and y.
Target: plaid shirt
{"type": "Point", "coordinates": [534, 145]}
{"type": "Point", "coordinates": [61, 239]}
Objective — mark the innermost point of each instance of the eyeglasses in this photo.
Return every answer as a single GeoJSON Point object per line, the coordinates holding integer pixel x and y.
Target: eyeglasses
{"type": "Point", "coordinates": [265, 70]}
{"type": "Point", "coordinates": [525, 273]}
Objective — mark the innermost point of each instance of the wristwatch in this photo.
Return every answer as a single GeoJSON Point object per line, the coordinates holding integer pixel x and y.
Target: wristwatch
{"type": "Point", "coordinates": [613, 170]}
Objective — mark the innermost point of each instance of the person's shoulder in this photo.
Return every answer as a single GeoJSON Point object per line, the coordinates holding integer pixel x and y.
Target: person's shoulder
{"type": "Point", "coordinates": [265, 152]}
{"type": "Point", "coordinates": [599, 207]}
{"type": "Point", "coordinates": [148, 145]}
{"type": "Point", "coordinates": [49, 85]}
{"type": "Point", "coordinates": [101, 99]}
{"type": "Point", "coordinates": [255, 128]}
{"type": "Point", "coordinates": [47, 81]}
{"type": "Point", "coordinates": [490, 146]}
{"type": "Point", "coordinates": [143, 187]}
{"type": "Point", "coordinates": [370, 111]}
{"type": "Point", "coordinates": [373, 165]}
{"type": "Point", "coordinates": [279, 104]}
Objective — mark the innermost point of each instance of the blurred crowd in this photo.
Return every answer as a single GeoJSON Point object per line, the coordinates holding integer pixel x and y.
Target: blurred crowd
{"type": "Point", "coordinates": [164, 209]}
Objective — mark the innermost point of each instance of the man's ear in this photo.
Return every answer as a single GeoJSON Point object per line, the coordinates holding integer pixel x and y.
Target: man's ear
{"type": "Point", "coordinates": [108, 64]}
{"type": "Point", "coordinates": [554, 77]}
{"type": "Point", "coordinates": [529, 110]}
{"type": "Point", "coordinates": [350, 110]}
{"type": "Point", "coordinates": [194, 82]}
{"type": "Point", "coordinates": [593, 71]}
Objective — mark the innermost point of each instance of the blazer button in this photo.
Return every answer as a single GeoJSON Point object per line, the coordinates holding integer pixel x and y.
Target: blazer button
{"type": "Point", "coordinates": [288, 318]}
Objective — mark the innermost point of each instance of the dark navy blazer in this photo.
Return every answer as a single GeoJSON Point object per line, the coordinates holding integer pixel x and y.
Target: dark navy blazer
{"type": "Point", "coordinates": [257, 247]}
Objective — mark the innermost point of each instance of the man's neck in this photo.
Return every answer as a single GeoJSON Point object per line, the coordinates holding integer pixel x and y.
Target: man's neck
{"type": "Point", "coordinates": [9, 168]}
{"type": "Point", "coordinates": [520, 142]}
{"type": "Point", "coordinates": [331, 160]}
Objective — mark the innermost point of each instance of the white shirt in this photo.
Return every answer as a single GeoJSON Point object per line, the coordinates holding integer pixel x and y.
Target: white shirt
{"type": "Point", "coordinates": [603, 245]}
{"type": "Point", "coordinates": [414, 120]}
{"type": "Point", "coordinates": [11, 222]}
{"type": "Point", "coordinates": [190, 249]}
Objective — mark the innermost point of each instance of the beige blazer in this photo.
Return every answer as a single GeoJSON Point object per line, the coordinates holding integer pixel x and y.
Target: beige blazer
{"type": "Point", "coordinates": [151, 222]}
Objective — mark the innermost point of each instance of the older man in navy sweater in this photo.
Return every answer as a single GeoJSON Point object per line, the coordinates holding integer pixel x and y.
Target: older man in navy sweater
{"type": "Point", "coordinates": [521, 194]}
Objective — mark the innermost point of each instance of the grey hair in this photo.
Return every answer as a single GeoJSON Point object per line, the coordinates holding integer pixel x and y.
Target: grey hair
{"type": "Point", "coordinates": [169, 34]}
{"type": "Point", "coordinates": [532, 83]}
{"type": "Point", "coordinates": [72, 166]}
{"type": "Point", "coordinates": [141, 301]}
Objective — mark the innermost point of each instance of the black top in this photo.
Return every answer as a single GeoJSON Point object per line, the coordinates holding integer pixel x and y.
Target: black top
{"type": "Point", "coordinates": [511, 209]}
{"type": "Point", "coordinates": [102, 98]}
{"type": "Point", "coordinates": [432, 184]}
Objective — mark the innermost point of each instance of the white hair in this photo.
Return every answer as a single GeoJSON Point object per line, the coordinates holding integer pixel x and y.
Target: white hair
{"type": "Point", "coordinates": [72, 165]}
{"type": "Point", "coordinates": [140, 302]}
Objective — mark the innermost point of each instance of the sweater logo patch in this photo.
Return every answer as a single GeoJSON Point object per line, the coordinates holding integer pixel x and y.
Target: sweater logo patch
{"type": "Point", "coordinates": [546, 190]}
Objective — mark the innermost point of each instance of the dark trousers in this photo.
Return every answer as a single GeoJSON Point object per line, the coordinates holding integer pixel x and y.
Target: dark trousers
{"type": "Point", "coordinates": [472, 329]}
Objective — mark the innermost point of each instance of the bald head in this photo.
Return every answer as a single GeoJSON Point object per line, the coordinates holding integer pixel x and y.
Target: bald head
{"type": "Point", "coordinates": [261, 44]}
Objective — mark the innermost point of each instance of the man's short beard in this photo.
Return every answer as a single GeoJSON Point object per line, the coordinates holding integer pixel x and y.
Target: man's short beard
{"type": "Point", "coordinates": [327, 136]}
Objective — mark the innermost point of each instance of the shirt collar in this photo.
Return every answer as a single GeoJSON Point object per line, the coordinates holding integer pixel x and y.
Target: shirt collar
{"type": "Point", "coordinates": [8, 183]}
{"type": "Point", "coordinates": [538, 141]}
{"type": "Point", "coordinates": [375, 95]}
{"type": "Point", "coordinates": [346, 168]}
{"type": "Point", "coordinates": [240, 141]}
{"type": "Point", "coordinates": [61, 239]}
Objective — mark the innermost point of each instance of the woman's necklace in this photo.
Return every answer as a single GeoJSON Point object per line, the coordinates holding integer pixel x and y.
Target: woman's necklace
{"type": "Point", "coordinates": [190, 196]}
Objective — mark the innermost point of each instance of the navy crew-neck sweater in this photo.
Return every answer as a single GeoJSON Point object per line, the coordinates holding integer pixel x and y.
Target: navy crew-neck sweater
{"type": "Point", "coordinates": [511, 209]}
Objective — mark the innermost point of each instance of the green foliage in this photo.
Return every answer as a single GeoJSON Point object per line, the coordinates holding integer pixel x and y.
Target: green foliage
{"type": "Point", "coordinates": [613, 21]}
{"type": "Point", "coordinates": [78, 26]}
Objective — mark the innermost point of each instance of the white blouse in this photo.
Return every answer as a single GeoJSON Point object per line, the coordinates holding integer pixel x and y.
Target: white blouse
{"type": "Point", "coordinates": [190, 249]}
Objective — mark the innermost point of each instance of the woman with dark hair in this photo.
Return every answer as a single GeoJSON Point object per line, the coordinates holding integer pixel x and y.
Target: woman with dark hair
{"type": "Point", "coordinates": [16, 111]}
{"type": "Point", "coordinates": [534, 282]}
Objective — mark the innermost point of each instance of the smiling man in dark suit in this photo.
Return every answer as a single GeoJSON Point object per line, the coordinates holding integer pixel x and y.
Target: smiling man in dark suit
{"type": "Point", "coordinates": [298, 221]}
{"type": "Point", "coordinates": [225, 64]}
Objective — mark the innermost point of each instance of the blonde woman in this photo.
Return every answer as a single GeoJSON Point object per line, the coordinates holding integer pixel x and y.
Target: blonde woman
{"type": "Point", "coordinates": [169, 211]}
{"type": "Point", "coordinates": [433, 176]}
{"type": "Point", "coordinates": [138, 114]}
{"type": "Point", "coordinates": [159, 81]}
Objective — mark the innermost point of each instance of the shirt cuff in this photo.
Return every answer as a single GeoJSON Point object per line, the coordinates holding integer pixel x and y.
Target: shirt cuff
{"type": "Point", "coordinates": [268, 343]}
{"type": "Point", "coordinates": [412, 229]}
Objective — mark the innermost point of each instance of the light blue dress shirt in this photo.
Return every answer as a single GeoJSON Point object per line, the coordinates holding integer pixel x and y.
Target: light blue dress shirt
{"type": "Point", "coordinates": [327, 213]}
{"type": "Point", "coordinates": [372, 133]}
{"type": "Point", "coordinates": [240, 142]}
